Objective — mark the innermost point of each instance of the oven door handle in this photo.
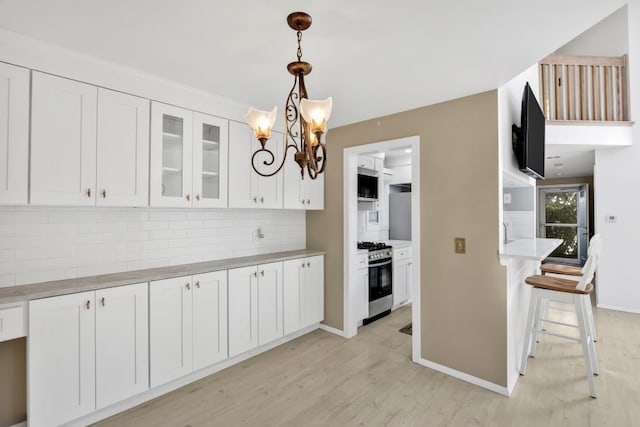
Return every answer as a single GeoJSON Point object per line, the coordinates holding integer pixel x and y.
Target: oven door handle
{"type": "Point", "coordinates": [380, 265]}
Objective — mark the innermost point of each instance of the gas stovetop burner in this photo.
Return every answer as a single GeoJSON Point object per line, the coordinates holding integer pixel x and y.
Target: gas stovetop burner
{"type": "Point", "coordinates": [372, 246]}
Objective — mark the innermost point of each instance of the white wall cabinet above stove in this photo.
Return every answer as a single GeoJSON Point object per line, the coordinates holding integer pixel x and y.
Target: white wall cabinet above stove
{"type": "Point", "coordinates": [14, 134]}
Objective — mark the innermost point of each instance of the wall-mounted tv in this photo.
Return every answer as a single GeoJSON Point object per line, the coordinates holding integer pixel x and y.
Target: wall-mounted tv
{"type": "Point", "coordinates": [528, 139]}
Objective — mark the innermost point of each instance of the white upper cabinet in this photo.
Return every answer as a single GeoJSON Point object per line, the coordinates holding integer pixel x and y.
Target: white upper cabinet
{"type": "Point", "coordinates": [247, 189]}
{"type": "Point", "coordinates": [210, 154]}
{"type": "Point", "coordinates": [14, 134]}
{"type": "Point", "coordinates": [188, 158]}
{"type": "Point", "coordinates": [301, 193]}
{"type": "Point", "coordinates": [171, 155]}
{"type": "Point", "coordinates": [123, 149]}
{"type": "Point", "coordinates": [89, 146]}
{"type": "Point", "coordinates": [63, 141]}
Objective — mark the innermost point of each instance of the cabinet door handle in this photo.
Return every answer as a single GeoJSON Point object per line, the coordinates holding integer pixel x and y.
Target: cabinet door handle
{"type": "Point", "coordinates": [88, 304]}
{"type": "Point", "coordinates": [104, 193]}
{"type": "Point", "coordinates": [303, 265]}
{"type": "Point", "coordinates": [303, 202]}
{"type": "Point", "coordinates": [198, 197]}
{"type": "Point", "coordinates": [262, 273]}
{"type": "Point", "coordinates": [198, 285]}
{"type": "Point", "coordinates": [261, 199]}
{"type": "Point", "coordinates": [255, 274]}
{"type": "Point", "coordinates": [89, 192]}
{"type": "Point", "coordinates": [308, 264]}
{"type": "Point", "coordinates": [188, 197]}
{"type": "Point", "coordinates": [308, 201]}
{"type": "Point", "coordinates": [102, 301]}
{"type": "Point", "coordinates": [188, 286]}
{"type": "Point", "coordinates": [255, 199]}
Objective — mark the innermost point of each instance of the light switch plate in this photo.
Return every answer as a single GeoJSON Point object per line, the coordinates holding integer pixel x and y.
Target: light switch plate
{"type": "Point", "coordinates": [506, 198]}
{"type": "Point", "coordinates": [460, 245]}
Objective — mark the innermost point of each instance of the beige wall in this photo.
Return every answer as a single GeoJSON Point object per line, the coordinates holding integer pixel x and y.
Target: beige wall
{"type": "Point", "coordinates": [13, 388]}
{"type": "Point", "coordinates": [463, 297]}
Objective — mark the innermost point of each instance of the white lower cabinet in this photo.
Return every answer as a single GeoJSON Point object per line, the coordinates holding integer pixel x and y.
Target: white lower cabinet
{"type": "Point", "coordinates": [85, 352]}
{"type": "Point", "coordinates": [188, 325]}
{"type": "Point", "coordinates": [255, 306]}
{"type": "Point", "coordinates": [362, 294]}
{"type": "Point", "coordinates": [303, 293]}
{"type": "Point", "coordinates": [401, 275]}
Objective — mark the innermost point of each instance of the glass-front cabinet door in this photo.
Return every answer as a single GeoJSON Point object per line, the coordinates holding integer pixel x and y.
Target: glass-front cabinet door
{"type": "Point", "coordinates": [210, 147]}
{"type": "Point", "coordinates": [171, 155]}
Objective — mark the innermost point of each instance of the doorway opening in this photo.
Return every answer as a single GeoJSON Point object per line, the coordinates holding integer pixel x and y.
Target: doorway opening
{"type": "Point", "coordinates": [367, 219]}
{"type": "Point", "coordinates": [563, 214]}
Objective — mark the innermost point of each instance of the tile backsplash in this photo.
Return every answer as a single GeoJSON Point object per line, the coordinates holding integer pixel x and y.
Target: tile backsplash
{"type": "Point", "coordinates": [43, 243]}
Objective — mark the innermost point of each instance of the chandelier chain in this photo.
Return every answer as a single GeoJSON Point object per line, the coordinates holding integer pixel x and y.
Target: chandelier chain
{"type": "Point", "coordinates": [299, 47]}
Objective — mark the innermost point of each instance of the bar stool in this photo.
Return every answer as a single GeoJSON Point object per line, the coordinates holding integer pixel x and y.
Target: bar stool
{"type": "Point", "coordinates": [573, 273]}
{"type": "Point", "coordinates": [568, 291]}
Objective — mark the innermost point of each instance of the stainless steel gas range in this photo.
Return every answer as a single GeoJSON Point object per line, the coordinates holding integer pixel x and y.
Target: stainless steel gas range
{"type": "Point", "coordinates": [380, 282]}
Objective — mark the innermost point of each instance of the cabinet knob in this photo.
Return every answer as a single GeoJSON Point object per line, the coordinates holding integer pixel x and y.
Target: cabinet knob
{"type": "Point", "coordinates": [198, 197]}
{"type": "Point", "coordinates": [89, 192]}
{"type": "Point", "coordinates": [88, 304]}
{"type": "Point", "coordinates": [255, 200]}
{"type": "Point", "coordinates": [255, 274]}
{"type": "Point", "coordinates": [261, 199]}
{"type": "Point", "coordinates": [262, 273]}
{"type": "Point", "coordinates": [102, 301]}
{"type": "Point", "coordinates": [308, 264]}
{"type": "Point", "coordinates": [303, 265]}
{"type": "Point", "coordinates": [303, 201]}
{"type": "Point", "coordinates": [188, 197]}
{"type": "Point", "coordinates": [308, 201]}
{"type": "Point", "coordinates": [104, 193]}
{"type": "Point", "coordinates": [198, 285]}
{"type": "Point", "coordinates": [188, 286]}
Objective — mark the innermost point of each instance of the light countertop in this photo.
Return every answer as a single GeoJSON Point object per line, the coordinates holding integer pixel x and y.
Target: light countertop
{"type": "Point", "coordinates": [32, 291]}
{"type": "Point", "coordinates": [531, 249]}
{"type": "Point", "coordinates": [399, 243]}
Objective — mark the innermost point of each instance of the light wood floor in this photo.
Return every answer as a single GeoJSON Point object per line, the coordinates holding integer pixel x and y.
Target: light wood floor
{"type": "Point", "coordinates": [324, 380]}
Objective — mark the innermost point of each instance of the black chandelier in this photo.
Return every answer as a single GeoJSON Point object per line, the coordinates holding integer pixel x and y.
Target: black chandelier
{"type": "Point", "coordinates": [305, 119]}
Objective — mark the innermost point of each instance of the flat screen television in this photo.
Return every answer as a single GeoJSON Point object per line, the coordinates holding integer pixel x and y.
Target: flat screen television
{"type": "Point", "coordinates": [528, 139]}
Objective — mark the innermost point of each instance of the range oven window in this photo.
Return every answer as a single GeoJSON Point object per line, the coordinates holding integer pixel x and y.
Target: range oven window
{"type": "Point", "coordinates": [367, 186]}
{"type": "Point", "coordinates": [379, 279]}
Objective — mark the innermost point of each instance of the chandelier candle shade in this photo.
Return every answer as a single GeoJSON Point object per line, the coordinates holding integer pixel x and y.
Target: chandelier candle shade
{"type": "Point", "coordinates": [305, 119]}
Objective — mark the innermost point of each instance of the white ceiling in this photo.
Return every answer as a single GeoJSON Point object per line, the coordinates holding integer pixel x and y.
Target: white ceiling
{"type": "Point", "coordinates": [565, 161]}
{"type": "Point", "coordinates": [373, 57]}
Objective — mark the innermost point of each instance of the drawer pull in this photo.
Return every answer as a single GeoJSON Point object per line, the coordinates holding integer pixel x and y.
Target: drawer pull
{"type": "Point", "coordinates": [88, 304]}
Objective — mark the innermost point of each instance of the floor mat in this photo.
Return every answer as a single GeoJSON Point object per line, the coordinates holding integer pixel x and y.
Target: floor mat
{"type": "Point", "coordinates": [407, 329]}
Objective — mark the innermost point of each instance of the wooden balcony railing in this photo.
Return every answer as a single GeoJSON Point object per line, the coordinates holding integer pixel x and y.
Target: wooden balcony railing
{"type": "Point", "coordinates": [587, 88]}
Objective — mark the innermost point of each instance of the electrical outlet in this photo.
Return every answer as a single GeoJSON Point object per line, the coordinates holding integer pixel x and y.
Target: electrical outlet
{"type": "Point", "coordinates": [460, 245]}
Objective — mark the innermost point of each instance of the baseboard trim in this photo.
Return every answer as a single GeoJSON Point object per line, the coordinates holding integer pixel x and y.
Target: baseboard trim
{"type": "Point", "coordinates": [160, 390]}
{"type": "Point", "coordinates": [616, 308]}
{"type": "Point", "coordinates": [332, 330]}
{"type": "Point", "coordinates": [464, 377]}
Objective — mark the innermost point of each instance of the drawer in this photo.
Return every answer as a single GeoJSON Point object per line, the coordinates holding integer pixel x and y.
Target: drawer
{"type": "Point", "coordinates": [12, 324]}
{"type": "Point", "coordinates": [402, 253]}
{"type": "Point", "coordinates": [363, 261]}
